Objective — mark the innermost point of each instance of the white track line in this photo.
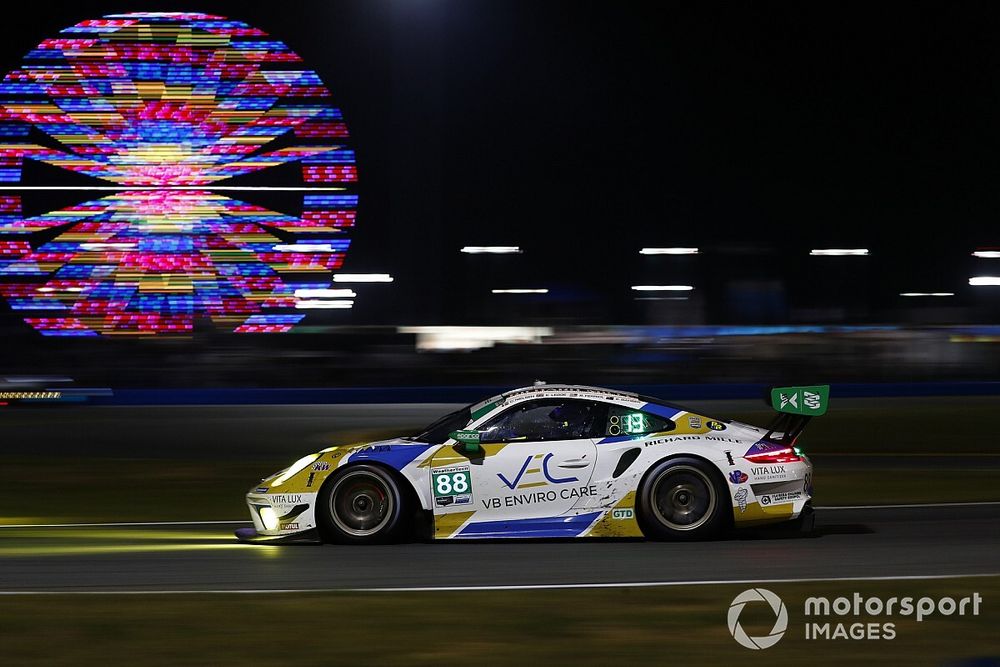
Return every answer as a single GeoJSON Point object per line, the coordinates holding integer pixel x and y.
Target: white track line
{"type": "Point", "coordinates": [655, 584]}
{"type": "Point", "coordinates": [984, 503]}
{"type": "Point", "coordinates": [513, 587]}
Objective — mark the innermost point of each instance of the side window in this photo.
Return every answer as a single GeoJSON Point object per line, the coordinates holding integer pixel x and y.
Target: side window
{"type": "Point", "coordinates": [550, 419]}
{"type": "Point", "coordinates": [625, 421]}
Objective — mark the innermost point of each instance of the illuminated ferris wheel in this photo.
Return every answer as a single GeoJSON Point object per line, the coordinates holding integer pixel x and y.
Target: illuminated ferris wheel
{"type": "Point", "coordinates": [160, 109]}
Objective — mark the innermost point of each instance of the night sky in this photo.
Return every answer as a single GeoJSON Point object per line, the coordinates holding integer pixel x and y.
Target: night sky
{"type": "Point", "coordinates": [584, 131]}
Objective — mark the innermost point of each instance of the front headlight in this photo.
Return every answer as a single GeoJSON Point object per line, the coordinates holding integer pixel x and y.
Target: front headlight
{"type": "Point", "coordinates": [269, 518]}
{"type": "Point", "coordinates": [294, 469]}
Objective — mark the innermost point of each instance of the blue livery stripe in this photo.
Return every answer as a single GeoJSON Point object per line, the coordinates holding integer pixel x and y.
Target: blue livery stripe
{"type": "Point", "coordinates": [396, 457]}
{"type": "Point", "coordinates": [661, 410]}
{"type": "Point", "coordinates": [547, 526]}
{"type": "Point", "coordinates": [620, 438]}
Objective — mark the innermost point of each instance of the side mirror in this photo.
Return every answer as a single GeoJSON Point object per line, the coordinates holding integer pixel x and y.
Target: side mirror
{"type": "Point", "coordinates": [470, 439]}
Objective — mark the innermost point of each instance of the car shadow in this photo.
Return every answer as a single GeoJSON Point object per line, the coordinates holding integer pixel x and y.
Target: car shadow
{"type": "Point", "coordinates": [780, 533]}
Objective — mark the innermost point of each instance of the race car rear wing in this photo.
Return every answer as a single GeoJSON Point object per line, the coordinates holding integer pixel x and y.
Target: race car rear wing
{"type": "Point", "coordinates": [795, 406]}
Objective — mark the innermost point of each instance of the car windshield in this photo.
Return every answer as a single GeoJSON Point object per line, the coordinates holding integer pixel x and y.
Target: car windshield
{"type": "Point", "coordinates": [437, 432]}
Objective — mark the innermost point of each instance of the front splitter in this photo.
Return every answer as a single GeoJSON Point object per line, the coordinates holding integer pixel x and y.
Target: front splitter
{"type": "Point", "coordinates": [251, 536]}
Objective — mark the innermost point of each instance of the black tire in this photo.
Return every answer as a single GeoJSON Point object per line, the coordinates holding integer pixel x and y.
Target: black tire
{"type": "Point", "coordinates": [683, 499]}
{"type": "Point", "coordinates": [361, 504]}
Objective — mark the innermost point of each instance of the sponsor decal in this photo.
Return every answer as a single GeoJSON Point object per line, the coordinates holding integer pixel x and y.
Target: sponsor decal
{"type": "Point", "coordinates": [801, 400]}
{"type": "Point", "coordinates": [675, 438]}
{"type": "Point", "coordinates": [452, 485]}
{"type": "Point", "coordinates": [515, 483]}
{"type": "Point", "coordinates": [718, 438]}
{"type": "Point", "coordinates": [320, 466]}
{"type": "Point", "coordinates": [715, 425]}
{"type": "Point", "coordinates": [286, 499]}
{"type": "Point", "coordinates": [779, 498]}
{"type": "Point", "coordinates": [788, 399]}
{"type": "Point", "coordinates": [309, 480]}
{"type": "Point", "coordinates": [738, 477]}
{"type": "Point", "coordinates": [767, 473]}
{"type": "Point", "coordinates": [694, 422]}
{"type": "Point", "coordinates": [290, 526]}
{"type": "Point", "coordinates": [741, 499]}
{"type": "Point", "coordinates": [540, 497]}
{"type": "Point", "coordinates": [622, 513]}
{"type": "Point", "coordinates": [260, 489]}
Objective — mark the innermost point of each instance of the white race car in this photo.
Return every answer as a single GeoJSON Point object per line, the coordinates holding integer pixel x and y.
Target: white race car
{"type": "Point", "coordinates": [551, 461]}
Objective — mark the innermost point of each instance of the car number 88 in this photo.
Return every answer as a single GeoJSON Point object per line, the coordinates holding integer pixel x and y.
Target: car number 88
{"type": "Point", "coordinates": [447, 484]}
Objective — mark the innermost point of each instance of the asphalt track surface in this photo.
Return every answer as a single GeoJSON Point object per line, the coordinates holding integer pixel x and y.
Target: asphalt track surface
{"type": "Point", "coordinates": [848, 543]}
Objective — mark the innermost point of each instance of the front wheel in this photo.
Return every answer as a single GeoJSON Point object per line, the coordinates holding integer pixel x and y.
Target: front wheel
{"type": "Point", "coordinates": [681, 499]}
{"type": "Point", "coordinates": [362, 504]}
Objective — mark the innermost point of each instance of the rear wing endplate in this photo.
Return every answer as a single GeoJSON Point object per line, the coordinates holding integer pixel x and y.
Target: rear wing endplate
{"type": "Point", "coordinates": [795, 407]}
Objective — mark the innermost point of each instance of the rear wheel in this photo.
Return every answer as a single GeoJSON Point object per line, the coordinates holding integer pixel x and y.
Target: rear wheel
{"type": "Point", "coordinates": [361, 504]}
{"type": "Point", "coordinates": [681, 499]}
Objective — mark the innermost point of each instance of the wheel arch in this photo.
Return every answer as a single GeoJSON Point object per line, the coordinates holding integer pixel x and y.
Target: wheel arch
{"type": "Point", "coordinates": [401, 480]}
{"type": "Point", "coordinates": [411, 498]}
{"type": "Point", "coordinates": [681, 455]}
{"type": "Point", "coordinates": [717, 473]}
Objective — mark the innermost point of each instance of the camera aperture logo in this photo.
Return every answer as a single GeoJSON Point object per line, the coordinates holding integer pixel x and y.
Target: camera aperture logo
{"type": "Point", "coordinates": [780, 618]}
{"type": "Point", "coordinates": [857, 617]}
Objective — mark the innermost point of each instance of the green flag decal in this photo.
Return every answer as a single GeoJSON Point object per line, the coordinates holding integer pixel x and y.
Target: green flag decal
{"type": "Point", "coordinates": [811, 401]}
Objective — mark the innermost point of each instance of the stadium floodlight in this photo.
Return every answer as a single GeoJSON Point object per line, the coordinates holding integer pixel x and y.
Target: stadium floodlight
{"type": "Point", "coordinates": [662, 288]}
{"type": "Point", "coordinates": [343, 293]}
{"type": "Point", "coordinates": [362, 278]}
{"type": "Point", "coordinates": [304, 247]}
{"type": "Point", "coordinates": [521, 290]}
{"type": "Point", "coordinates": [926, 294]}
{"type": "Point", "coordinates": [107, 246]}
{"type": "Point", "coordinates": [491, 249]}
{"type": "Point", "coordinates": [669, 251]}
{"type": "Point", "coordinates": [839, 252]}
{"type": "Point", "coordinates": [979, 281]}
{"type": "Point", "coordinates": [322, 303]}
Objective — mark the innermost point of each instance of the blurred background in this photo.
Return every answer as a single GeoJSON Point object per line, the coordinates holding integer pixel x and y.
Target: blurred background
{"type": "Point", "coordinates": [578, 193]}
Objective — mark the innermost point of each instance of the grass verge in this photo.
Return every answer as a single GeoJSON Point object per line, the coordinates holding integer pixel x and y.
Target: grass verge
{"type": "Point", "coordinates": [667, 625]}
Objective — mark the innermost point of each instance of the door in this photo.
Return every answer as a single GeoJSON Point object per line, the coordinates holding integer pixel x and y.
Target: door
{"type": "Point", "coordinates": [534, 463]}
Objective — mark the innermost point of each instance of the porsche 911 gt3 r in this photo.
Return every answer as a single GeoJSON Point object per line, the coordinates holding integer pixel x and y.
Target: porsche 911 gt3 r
{"type": "Point", "coordinates": [551, 461]}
